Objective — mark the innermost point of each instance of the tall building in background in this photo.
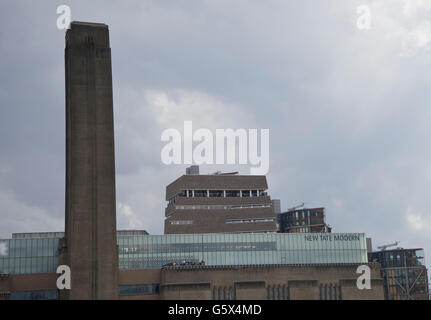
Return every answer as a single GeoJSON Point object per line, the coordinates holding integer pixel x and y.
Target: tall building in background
{"type": "Point", "coordinates": [219, 203]}
{"type": "Point", "coordinates": [404, 273]}
{"type": "Point", "coordinates": [303, 221]}
{"type": "Point", "coordinates": [90, 246]}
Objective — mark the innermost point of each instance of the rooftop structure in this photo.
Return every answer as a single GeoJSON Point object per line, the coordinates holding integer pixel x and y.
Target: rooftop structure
{"type": "Point", "coordinates": [303, 220]}
{"type": "Point", "coordinates": [218, 203]}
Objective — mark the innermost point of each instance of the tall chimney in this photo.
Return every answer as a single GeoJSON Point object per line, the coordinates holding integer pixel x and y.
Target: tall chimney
{"type": "Point", "coordinates": [90, 241]}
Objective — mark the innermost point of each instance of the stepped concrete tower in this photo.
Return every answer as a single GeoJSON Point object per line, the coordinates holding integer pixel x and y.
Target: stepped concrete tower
{"type": "Point", "coordinates": [90, 246]}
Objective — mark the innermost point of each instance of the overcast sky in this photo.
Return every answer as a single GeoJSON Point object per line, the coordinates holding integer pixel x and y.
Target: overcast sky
{"type": "Point", "coordinates": [349, 110]}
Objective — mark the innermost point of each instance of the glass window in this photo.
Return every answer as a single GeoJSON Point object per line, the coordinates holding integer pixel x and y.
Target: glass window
{"type": "Point", "coordinates": [246, 193]}
{"type": "Point", "coordinates": [216, 193]}
{"type": "Point", "coordinates": [201, 193]}
{"type": "Point", "coordinates": [139, 289]}
{"type": "Point", "coordinates": [232, 193]}
{"type": "Point", "coordinates": [35, 295]}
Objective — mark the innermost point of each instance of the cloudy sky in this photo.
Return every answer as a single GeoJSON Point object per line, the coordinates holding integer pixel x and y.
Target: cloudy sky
{"type": "Point", "coordinates": [349, 110]}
